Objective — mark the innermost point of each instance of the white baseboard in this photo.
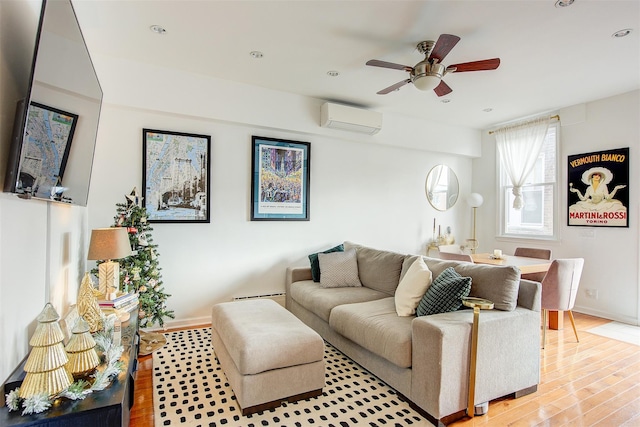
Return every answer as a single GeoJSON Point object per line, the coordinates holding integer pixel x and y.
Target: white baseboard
{"type": "Point", "coordinates": [606, 315]}
{"type": "Point", "coordinates": [181, 323]}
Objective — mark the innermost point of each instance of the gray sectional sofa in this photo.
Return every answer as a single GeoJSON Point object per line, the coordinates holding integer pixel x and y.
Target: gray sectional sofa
{"type": "Point", "coordinates": [426, 359]}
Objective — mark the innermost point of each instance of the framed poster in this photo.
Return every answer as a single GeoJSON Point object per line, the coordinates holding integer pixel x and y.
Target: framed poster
{"type": "Point", "coordinates": [45, 150]}
{"type": "Point", "coordinates": [279, 180]}
{"type": "Point", "coordinates": [175, 176]}
{"type": "Point", "coordinates": [598, 193]}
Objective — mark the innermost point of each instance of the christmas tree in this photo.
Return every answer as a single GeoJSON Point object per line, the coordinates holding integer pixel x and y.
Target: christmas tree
{"type": "Point", "coordinates": [140, 271]}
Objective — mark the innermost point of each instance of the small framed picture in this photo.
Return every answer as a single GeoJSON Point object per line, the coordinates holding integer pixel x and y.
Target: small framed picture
{"type": "Point", "coordinates": [175, 176]}
{"type": "Point", "coordinates": [279, 179]}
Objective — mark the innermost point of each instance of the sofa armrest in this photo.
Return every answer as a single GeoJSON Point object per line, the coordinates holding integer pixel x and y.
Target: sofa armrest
{"type": "Point", "coordinates": [296, 274]}
{"type": "Point", "coordinates": [508, 357]}
{"type": "Point", "coordinates": [530, 295]}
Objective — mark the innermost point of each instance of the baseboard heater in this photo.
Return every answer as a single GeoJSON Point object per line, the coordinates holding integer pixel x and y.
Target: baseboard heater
{"type": "Point", "coordinates": [277, 297]}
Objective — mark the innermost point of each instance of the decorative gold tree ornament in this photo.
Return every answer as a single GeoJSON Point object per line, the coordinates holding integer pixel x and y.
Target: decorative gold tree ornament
{"type": "Point", "coordinates": [88, 306]}
{"type": "Point", "coordinates": [46, 365]}
{"type": "Point", "coordinates": [83, 358]}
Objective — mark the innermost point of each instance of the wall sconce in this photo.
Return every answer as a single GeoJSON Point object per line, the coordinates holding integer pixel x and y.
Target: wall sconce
{"type": "Point", "coordinates": [475, 201]}
{"type": "Point", "coordinates": [108, 244]}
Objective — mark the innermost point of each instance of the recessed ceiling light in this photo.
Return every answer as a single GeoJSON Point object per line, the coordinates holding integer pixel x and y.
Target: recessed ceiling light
{"type": "Point", "coordinates": [445, 101]}
{"type": "Point", "coordinates": [256, 54]}
{"type": "Point", "coordinates": [622, 33]}
{"type": "Point", "coordinates": [333, 73]}
{"type": "Point", "coordinates": [564, 3]}
{"type": "Point", "coordinates": [488, 110]}
{"type": "Point", "coordinates": [158, 29]}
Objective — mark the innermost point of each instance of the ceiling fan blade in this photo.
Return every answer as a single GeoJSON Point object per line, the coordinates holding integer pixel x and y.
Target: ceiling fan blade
{"type": "Point", "coordinates": [443, 46]}
{"type": "Point", "coordinates": [385, 64]}
{"type": "Point", "coordinates": [442, 89]}
{"type": "Point", "coordinates": [487, 64]}
{"type": "Point", "coordinates": [393, 87]}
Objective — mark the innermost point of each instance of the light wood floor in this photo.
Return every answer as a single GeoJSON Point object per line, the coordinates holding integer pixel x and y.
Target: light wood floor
{"type": "Point", "coordinates": [592, 383]}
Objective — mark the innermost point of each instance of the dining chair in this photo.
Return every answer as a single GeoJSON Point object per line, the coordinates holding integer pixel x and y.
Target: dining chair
{"type": "Point", "coordinates": [559, 290]}
{"type": "Point", "coordinates": [455, 257]}
{"type": "Point", "coordinates": [533, 253]}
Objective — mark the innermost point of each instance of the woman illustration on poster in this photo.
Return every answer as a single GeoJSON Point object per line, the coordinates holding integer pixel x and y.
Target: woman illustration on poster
{"type": "Point", "coordinates": [597, 196]}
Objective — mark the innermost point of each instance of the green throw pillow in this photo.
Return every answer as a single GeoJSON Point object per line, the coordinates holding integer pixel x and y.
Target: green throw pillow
{"type": "Point", "coordinates": [445, 293]}
{"type": "Point", "coordinates": [315, 265]}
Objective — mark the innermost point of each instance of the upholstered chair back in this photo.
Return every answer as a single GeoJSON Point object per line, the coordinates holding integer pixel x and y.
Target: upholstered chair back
{"type": "Point", "coordinates": [533, 253]}
{"type": "Point", "coordinates": [560, 284]}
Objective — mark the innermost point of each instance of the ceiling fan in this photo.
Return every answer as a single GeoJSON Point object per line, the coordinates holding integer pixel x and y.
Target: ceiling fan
{"type": "Point", "coordinates": [428, 73]}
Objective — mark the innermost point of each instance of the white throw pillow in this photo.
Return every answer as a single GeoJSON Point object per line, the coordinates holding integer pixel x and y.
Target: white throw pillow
{"type": "Point", "coordinates": [339, 269]}
{"type": "Point", "coordinates": [412, 288]}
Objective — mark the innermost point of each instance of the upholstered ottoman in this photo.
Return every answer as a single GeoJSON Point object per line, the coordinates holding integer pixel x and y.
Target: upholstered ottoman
{"type": "Point", "coordinates": [267, 354]}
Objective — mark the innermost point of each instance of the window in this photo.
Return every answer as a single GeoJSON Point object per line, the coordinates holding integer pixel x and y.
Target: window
{"type": "Point", "coordinates": [538, 217]}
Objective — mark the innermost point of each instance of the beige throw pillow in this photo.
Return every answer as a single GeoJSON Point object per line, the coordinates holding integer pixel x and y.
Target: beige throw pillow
{"type": "Point", "coordinates": [412, 288]}
{"type": "Point", "coordinates": [339, 269]}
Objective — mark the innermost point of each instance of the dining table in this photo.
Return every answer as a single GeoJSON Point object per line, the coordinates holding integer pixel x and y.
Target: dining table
{"type": "Point", "coordinates": [526, 265]}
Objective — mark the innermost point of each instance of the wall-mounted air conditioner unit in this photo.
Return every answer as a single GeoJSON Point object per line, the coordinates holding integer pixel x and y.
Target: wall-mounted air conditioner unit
{"type": "Point", "coordinates": [353, 119]}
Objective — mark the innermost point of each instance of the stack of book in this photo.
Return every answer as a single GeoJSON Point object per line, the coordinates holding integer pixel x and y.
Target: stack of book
{"type": "Point", "coordinates": [123, 302]}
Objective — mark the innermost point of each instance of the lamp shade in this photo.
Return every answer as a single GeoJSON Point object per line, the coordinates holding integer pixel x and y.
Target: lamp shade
{"type": "Point", "coordinates": [109, 243]}
{"type": "Point", "coordinates": [426, 82]}
{"type": "Point", "coordinates": [475, 200]}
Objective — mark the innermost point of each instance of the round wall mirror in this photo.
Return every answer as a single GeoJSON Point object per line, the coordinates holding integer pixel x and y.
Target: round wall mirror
{"type": "Point", "coordinates": [442, 187]}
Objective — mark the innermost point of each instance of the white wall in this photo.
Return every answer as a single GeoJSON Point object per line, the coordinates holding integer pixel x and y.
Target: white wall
{"type": "Point", "coordinates": [43, 250]}
{"type": "Point", "coordinates": [611, 254]}
{"type": "Point", "coordinates": [364, 192]}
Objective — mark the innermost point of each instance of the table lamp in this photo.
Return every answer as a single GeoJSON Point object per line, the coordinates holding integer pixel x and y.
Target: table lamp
{"type": "Point", "coordinates": [108, 244]}
{"type": "Point", "coordinates": [475, 201]}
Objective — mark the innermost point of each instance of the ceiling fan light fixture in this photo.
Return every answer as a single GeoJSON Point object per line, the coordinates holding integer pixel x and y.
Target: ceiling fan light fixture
{"type": "Point", "coordinates": [564, 3]}
{"type": "Point", "coordinates": [622, 33]}
{"type": "Point", "coordinates": [158, 29]}
{"type": "Point", "coordinates": [426, 81]}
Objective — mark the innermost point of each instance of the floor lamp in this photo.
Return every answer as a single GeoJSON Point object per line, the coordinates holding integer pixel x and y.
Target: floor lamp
{"type": "Point", "coordinates": [475, 201]}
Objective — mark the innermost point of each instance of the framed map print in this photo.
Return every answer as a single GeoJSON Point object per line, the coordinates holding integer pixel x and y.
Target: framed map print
{"type": "Point", "coordinates": [599, 188]}
{"type": "Point", "coordinates": [175, 176]}
{"type": "Point", "coordinates": [279, 180]}
{"type": "Point", "coordinates": [43, 158]}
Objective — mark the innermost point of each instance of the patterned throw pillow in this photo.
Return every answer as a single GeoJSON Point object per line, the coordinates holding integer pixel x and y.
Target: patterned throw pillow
{"type": "Point", "coordinates": [445, 293]}
{"type": "Point", "coordinates": [339, 269]}
{"type": "Point", "coordinates": [315, 266]}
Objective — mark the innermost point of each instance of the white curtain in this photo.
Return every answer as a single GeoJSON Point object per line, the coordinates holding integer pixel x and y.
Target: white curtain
{"type": "Point", "coordinates": [519, 147]}
{"type": "Point", "coordinates": [433, 179]}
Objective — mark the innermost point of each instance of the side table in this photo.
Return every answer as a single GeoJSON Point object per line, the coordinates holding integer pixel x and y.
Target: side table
{"type": "Point", "coordinates": [107, 408]}
{"type": "Point", "coordinates": [477, 304]}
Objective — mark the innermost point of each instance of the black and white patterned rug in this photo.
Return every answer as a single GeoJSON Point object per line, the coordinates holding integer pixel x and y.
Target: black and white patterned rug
{"type": "Point", "coordinates": [190, 389]}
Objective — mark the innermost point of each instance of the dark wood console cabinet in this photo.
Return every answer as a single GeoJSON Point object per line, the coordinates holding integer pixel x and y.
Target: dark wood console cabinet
{"type": "Point", "coordinates": [106, 408]}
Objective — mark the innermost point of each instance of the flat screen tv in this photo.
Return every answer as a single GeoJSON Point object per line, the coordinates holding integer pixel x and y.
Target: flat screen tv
{"type": "Point", "coordinates": [56, 124]}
